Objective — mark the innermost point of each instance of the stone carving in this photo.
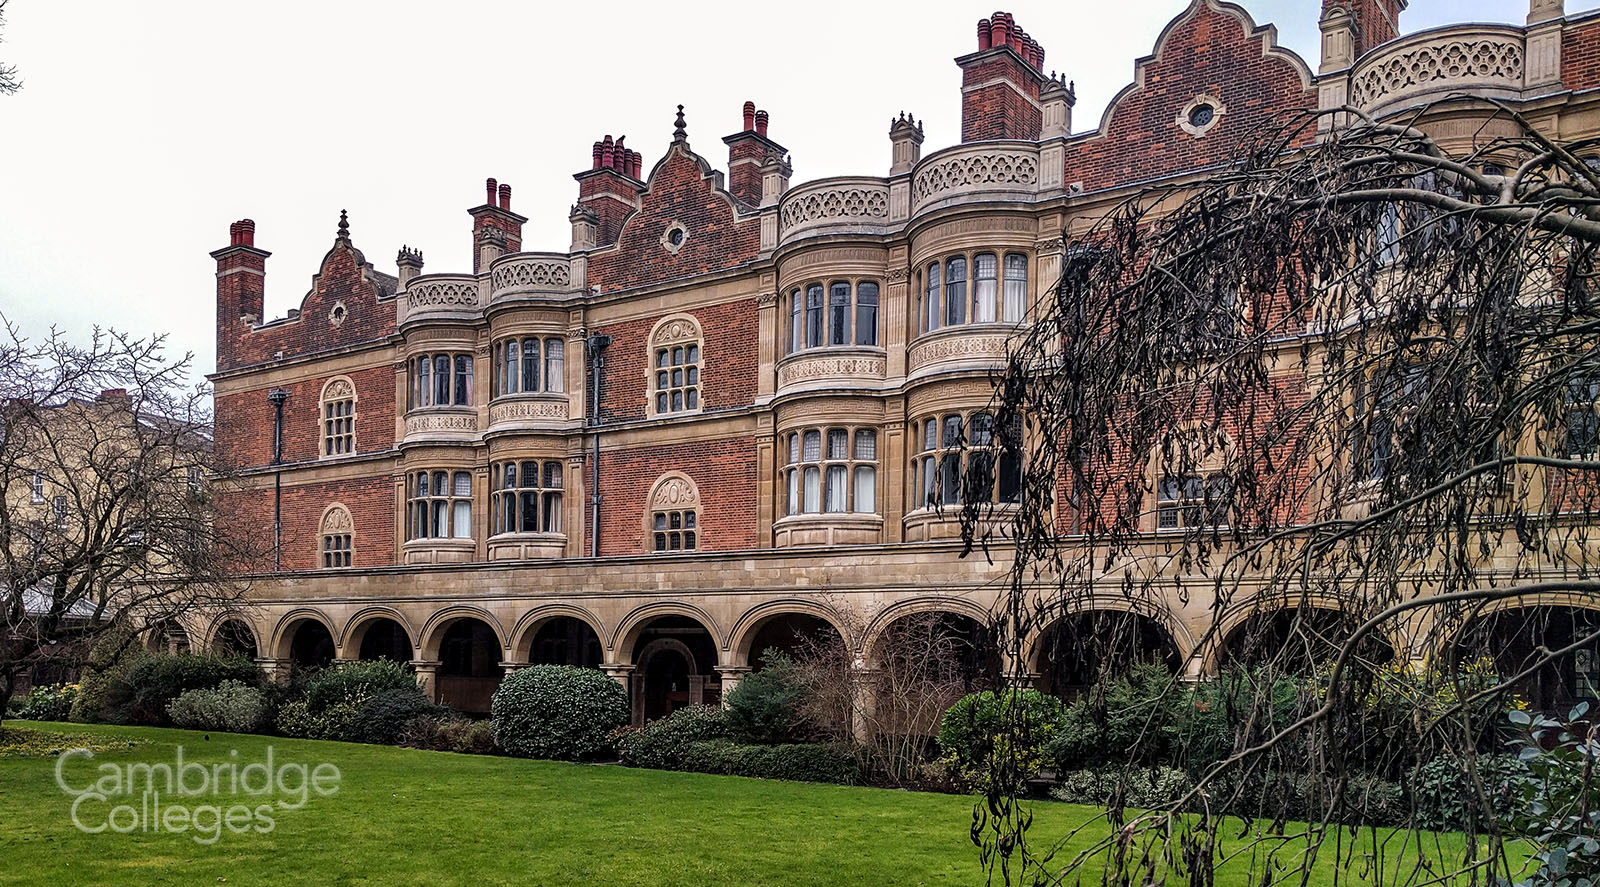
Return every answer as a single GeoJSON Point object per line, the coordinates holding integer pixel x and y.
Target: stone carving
{"type": "Point", "coordinates": [826, 367]}
{"type": "Point", "coordinates": [516, 410]}
{"type": "Point", "coordinates": [430, 422]}
{"type": "Point", "coordinates": [673, 492]}
{"type": "Point", "coordinates": [442, 293]}
{"type": "Point", "coordinates": [830, 256]}
{"type": "Point", "coordinates": [899, 275]}
{"type": "Point", "coordinates": [1448, 62]}
{"type": "Point", "coordinates": [337, 520]}
{"type": "Point", "coordinates": [848, 202]}
{"type": "Point", "coordinates": [675, 329]}
{"type": "Point", "coordinates": [989, 170]}
{"type": "Point", "coordinates": [531, 274]}
{"type": "Point", "coordinates": [766, 299]}
{"type": "Point", "coordinates": [958, 347]}
{"type": "Point", "coordinates": [338, 389]}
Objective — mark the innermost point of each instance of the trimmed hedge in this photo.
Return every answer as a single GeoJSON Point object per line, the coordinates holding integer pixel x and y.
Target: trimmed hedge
{"type": "Point", "coordinates": [766, 706]}
{"type": "Point", "coordinates": [800, 762]}
{"type": "Point", "coordinates": [558, 712]}
{"type": "Point", "coordinates": [662, 743]}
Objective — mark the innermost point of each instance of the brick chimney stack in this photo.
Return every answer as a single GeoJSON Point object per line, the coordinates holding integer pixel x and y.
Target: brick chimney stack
{"type": "Point", "coordinates": [609, 189]}
{"type": "Point", "coordinates": [748, 151]}
{"type": "Point", "coordinates": [495, 213]}
{"type": "Point", "coordinates": [241, 286]}
{"type": "Point", "coordinates": [1351, 27]}
{"type": "Point", "coordinates": [1000, 83]}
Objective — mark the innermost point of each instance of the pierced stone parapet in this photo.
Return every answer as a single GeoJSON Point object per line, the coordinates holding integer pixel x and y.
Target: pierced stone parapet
{"type": "Point", "coordinates": [1480, 60]}
{"type": "Point", "coordinates": [982, 171]}
{"type": "Point", "coordinates": [528, 274]}
{"type": "Point", "coordinates": [834, 206]}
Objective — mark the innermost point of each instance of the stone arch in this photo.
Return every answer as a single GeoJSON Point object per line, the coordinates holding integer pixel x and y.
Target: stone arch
{"type": "Point", "coordinates": [1510, 633]}
{"type": "Point", "coordinates": [672, 332]}
{"type": "Point", "coordinates": [168, 635]}
{"type": "Point", "coordinates": [901, 609]}
{"type": "Point", "coordinates": [1182, 640]}
{"type": "Point", "coordinates": [527, 629]}
{"type": "Point", "coordinates": [356, 627]}
{"type": "Point", "coordinates": [226, 633]}
{"type": "Point", "coordinates": [283, 633]}
{"type": "Point", "coordinates": [336, 537]}
{"type": "Point", "coordinates": [1277, 617]}
{"type": "Point", "coordinates": [336, 390]}
{"type": "Point", "coordinates": [744, 632]}
{"type": "Point", "coordinates": [1123, 636]}
{"type": "Point", "coordinates": [673, 493]}
{"type": "Point", "coordinates": [296, 638]}
{"type": "Point", "coordinates": [433, 630]}
{"type": "Point", "coordinates": [620, 645]}
{"type": "Point", "coordinates": [674, 660]}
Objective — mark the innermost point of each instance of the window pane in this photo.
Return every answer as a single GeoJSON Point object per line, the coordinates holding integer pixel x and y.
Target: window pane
{"type": "Point", "coordinates": [661, 403]}
{"type": "Point", "coordinates": [813, 491]}
{"type": "Point", "coordinates": [837, 478]}
{"type": "Point", "coordinates": [677, 357]}
{"type": "Point", "coordinates": [661, 358]}
{"type": "Point", "coordinates": [796, 323]}
{"type": "Point", "coordinates": [506, 361]}
{"type": "Point", "coordinates": [955, 291]}
{"type": "Point", "coordinates": [813, 446]}
{"type": "Point", "coordinates": [688, 520]}
{"type": "Point", "coordinates": [694, 353]}
{"type": "Point", "coordinates": [441, 379]}
{"type": "Point", "coordinates": [511, 475]}
{"type": "Point", "coordinates": [928, 481]}
{"type": "Point", "coordinates": [530, 365]}
{"type": "Point", "coordinates": [693, 398]}
{"type": "Point", "coordinates": [530, 512]}
{"type": "Point", "coordinates": [677, 401]}
{"type": "Point", "coordinates": [866, 489]}
{"type": "Point", "coordinates": [441, 483]}
{"type": "Point", "coordinates": [661, 542]}
{"type": "Point", "coordinates": [867, 444]}
{"type": "Point", "coordinates": [463, 380]}
{"type": "Point", "coordinates": [441, 519]}
{"type": "Point", "coordinates": [1010, 475]}
{"type": "Point", "coordinates": [839, 314]}
{"type": "Point", "coordinates": [985, 287]}
{"type": "Point", "coordinates": [555, 365]}
{"type": "Point", "coordinates": [952, 431]}
{"type": "Point", "coordinates": [552, 512]}
{"type": "Point", "coordinates": [794, 448]}
{"type": "Point", "coordinates": [424, 390]}
{"type": "Point", "coordinates": [462, 525]}
{"type": "Point", "coordinates": [661, 520]}
{"type": "Point", "coordinates": [930, 301]}
{"type": "Point", "coordinates": [982, 434]}
{"type": "Point", "coordinates": [1016, 295]}
{"type": "Point", "coordinates": [530, 474]}
{"type": "Point", "coordinates": [838, 443]}
{"type": "Point", "coordinates": [950, 478]}
{"type": "Point", "coordinates": [980, 476]}
{"type": "Point", "coordinates": [814, 315]}
{"type": "Point", "coordinates": [930, 434]}
{"type": "Point", "coordinates": [867, 314]}
{"type": "Point", "coordinates": [552, 476]}
{"type": "Point", "coordinates": [675, 520]}
{"type": "Point", "coordinates": [688, 541]}
{"type": "Point", "coordinates": [463, 483]}
{"type": "Point", "coordinates": [791, 491]}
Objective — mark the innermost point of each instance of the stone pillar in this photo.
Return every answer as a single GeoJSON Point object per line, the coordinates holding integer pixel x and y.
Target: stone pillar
{"type": "Point", "coordinates": [1022, 680]}
{"type": "Point", "coordinates": [1542, 57]}
{"type": "Point", "coordinates": [276, 670]}
{"type": "Point", "coordinates": [509, 667]}
{"type": "Point", "coordinates": [623, 675]}
{"type": "Point", "coordinates": [731, 675]}
{"type": "Point", "coordinates": [1194, 669]}
{"type": "Point", "coordinates": [427, 672]}
{"type": "Point", "coordinates": [863, 701]}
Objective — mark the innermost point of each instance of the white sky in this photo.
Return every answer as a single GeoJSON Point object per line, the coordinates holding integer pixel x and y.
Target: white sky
{"type": "Point", "coordinates": [144, 129]}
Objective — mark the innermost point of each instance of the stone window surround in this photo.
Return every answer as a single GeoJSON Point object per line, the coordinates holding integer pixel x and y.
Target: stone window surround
{"type": "Point", "coordinates": [796, 322]}
{"type": "Point", "coordinates": [929, 465]}
{"type": "Point", "coordinates": [1217, 110]}
{"type": "Point", "coordinates": [418, 398]}
{"type": "Point", "coordinates": [549, 496]}
{"type": "Point", "coordinates": [336, 525]}
{"type": "Point", "coordinates": [674, 331]}
{"type": "Point", "coordinates": [545, 339]}
{"type": "Point", "coordinates": [673, 493]}
{"type": "Point", "coordinates": [919, 287]}
{"type": "Point", "coordinates": [796, 466]}
{"type": "Point", "coordinates": [337, 390]}
{"type": "Point", "coordinates": [450, 495]}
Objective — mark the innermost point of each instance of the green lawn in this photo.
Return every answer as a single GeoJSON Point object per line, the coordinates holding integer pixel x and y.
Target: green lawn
{"type": "Point", "coordinates": [413, 817]}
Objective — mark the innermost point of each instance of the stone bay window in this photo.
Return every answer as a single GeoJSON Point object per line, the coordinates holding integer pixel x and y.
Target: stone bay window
{"type": "Point", "coordinates": [529, 365]}
{"type": "Point", "coordinates": [441, 380]}
{"type": "Point", "coordinates": [440, 505]}
{"type": "Point", "coordinates": [833, 314]}
{"type": "Point", "coordinates": [979, 287]}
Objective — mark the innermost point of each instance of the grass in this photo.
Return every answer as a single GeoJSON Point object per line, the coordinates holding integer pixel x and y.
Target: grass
{"type": "Point", "coordinates": [403, 817]}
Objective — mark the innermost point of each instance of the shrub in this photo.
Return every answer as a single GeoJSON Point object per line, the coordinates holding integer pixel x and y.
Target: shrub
{"type": "Point", "coordinates": [1141, 787]}
{"type": "Point", "coordinates": [230, 707]}
{"type": "Point", "coordinates": [353, 683]}
{"type": "Point", "coordinates": [973, 738]}
{"type": "Point", "coordinates": [558, 711]}
{"type": "Point", "coordinates": [49, 703]}
{"type": "Point", "coordinates": [801, 762]}
{"type": "Point", "coordinates": [766, 706]}
{"type": "Point", "coordinates": [141, 695]}
{"type": "Point", "coordinates": [662, 743]}
{"type": "Point", "coordinates": [449, 732]}
{"type": "Point", "coordinates": [383, 716]}
{"type": "Point", "coordinates": [114, 654]}
{"type": "Point", "coordinates": [296, 719]}
{"type": "Point", "coordinates": [1447, 799]}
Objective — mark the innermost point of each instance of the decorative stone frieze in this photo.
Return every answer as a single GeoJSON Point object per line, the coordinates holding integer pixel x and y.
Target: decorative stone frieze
{"type": "Point", "coordinates": [974, 170]}
{"type": "Point", "coordinates": [541, 411]}
{"type": "Point", "coordinates": [449, 296]}
{"type": "Point", "coordinates": [1485, 60]}
{"type": "Point", "coordinates": [455, 423]}
{"type": "Point", "coordinates": [525, 273]}
{"type": "Point", "coordinates": [962, 344]}
{"type": "Point", "coordinates": [843, 368]}
{"type": "Point", "coordinates": [832, 205]}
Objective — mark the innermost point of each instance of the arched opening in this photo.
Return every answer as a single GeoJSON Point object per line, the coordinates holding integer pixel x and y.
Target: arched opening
{"type": "Point", "coordinates": [167, 636]}
{"type": "Point", "coordinates": [565, 640]}
{"type": "Point", "coordinates": [675, 661]}
{"type": "Point", "coordinates": [310, 644]}
{"type": "Point", "coordinates": [1512, 640]}
{"type": "Point", "coordinates": [234, 638]}
{"type": "Point", "coordinates": [469, 665]}
{"type": "Point", "coordinates": [1297, 640]}
{"type": "Point", "coordinates": [1080, 649]}
{"type": "Point", "coordinates": [798, 635]}
{"type": "Point", "coordinates": [923, 663]}
{"type": "Point", "coordinates": [384, 638]}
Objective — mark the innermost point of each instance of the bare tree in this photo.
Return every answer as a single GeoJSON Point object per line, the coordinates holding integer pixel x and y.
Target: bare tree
{"type": "Point", "coordinates": [106, 515]}
{"type": "Point", "coordinates": [9, 81]}
{"type": "Point", "coordinates": [1342, 393]}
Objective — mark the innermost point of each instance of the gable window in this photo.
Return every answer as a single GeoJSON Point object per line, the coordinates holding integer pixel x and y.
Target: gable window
{"type": "Point", "coordinates": [965, 459]}
{"type": "Point", "coordinates": [527, 497]}
{"type": "Point", "coordinates": [529, 365]}
{"type": "Point", "coordinates": [338, 537]}
{"type": "Point", "coordinates": [675, 365]}
{"type": "Point", "coordinates": [982, 287]}
{"type": "Point", "coordinates": [821, 315]}
{"type": "Point", "coordinates": [831, 470]}
{"type": "Point", "coordinates": [672, 517]}
{"type": "Point", "coordinates": [440, 505]}
{"type": "Point", "coordinates": [441, 380]}
{"type": "Point", "coordinates": [338, 418]}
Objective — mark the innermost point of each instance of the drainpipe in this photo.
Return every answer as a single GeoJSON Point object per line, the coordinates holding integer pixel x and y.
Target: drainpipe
{"type": "Point", "coordinates": [596, 347]}
{"type": "Point", "coordinates": [277, 397]}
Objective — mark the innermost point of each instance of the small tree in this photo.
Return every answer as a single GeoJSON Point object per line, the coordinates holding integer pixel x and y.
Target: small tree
{"type": "Point", "coordinates": [106, 514]}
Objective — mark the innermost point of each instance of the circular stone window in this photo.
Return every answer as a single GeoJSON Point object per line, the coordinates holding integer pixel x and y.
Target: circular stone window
{"type": "Point", "coordinates": [1200, 115]}
{"type": "Point", "coordinates": [673, 237]}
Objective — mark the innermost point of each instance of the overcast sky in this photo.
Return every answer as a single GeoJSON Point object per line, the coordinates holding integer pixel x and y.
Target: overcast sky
{"type": "Point", "coordinates": [144, 129]}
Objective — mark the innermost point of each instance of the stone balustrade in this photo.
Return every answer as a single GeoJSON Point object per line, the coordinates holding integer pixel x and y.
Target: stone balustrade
{"type": "Point", "coordinates": [979, 172]}
{"type": "Point", "coordinates": [441, 296]}
{"type": "Point", "coordinates": [856, 205]}
{"type": "Point", "coordinates": [1480, 60]}
{"type": "Point", "coordinates": [529, 274]}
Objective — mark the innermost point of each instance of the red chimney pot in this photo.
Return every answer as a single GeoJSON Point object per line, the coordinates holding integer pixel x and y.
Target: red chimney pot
{"type": "Point", "coordinates": [761, 123]}
{"type": "Point", "coordinates": [505, 197]}
{"type": "Point", "coordinates": [749, 116]}
{"type": "Point", "coordinates": [247, 232]}
{"type": "Point", "coordinates": [983, 34]}
{"type": "Point", "coordinates": [489, 186]}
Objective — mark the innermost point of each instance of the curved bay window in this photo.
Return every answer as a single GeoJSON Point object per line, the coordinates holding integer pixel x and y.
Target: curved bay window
{"type": "Point", "coordinates": [530, 365]}
{"type": "Point", "coordinates": [441, 380]}
{"type": "Point", "coordinates": [527, 497]}
{"type": "Point", "coordinates": [965, 459]}
{"type": "Point", "coordinates": [838, 313]}
{"type": "Point", "coordinates": [981, 287]}
{"type": "Point", "coordinates": [832, 470]}
{"type": "Point", "coordinates": [440, 505]}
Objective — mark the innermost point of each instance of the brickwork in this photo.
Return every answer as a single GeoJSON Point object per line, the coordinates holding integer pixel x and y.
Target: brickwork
{"type": "Point", "coordinates": [727, 365]}
{"type": "Point", "coordinates": [1580, 56]}
{"type": "Point", "coordinates": [724, 472]}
